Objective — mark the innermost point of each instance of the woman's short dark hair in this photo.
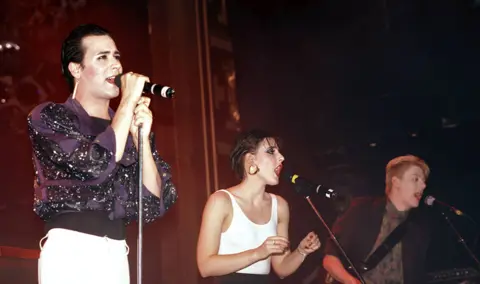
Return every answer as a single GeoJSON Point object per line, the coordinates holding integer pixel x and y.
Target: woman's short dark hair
{"type": "Point", "coordinates": [246, 142]}
{"type": "Point", "coordinates": [73, 51]}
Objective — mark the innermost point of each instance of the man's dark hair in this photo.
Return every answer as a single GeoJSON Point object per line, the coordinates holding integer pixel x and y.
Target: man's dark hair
{"type": "Point", "coordinates": [247, 142]}
{"type": "Point", "coordinates": [73, 50]}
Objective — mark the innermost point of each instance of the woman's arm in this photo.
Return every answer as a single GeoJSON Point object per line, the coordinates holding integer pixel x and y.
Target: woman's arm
{"type": "Point", "coordinates": [216, 211]}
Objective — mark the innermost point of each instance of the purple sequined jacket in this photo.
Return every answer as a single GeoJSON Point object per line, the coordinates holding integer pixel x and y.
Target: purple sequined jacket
{"type": "Point", "coordinates": [75, 168]}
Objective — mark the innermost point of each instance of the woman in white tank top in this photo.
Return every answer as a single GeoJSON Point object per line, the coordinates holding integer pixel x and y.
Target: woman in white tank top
{"type": "Point", "coordinates": [244, 230]}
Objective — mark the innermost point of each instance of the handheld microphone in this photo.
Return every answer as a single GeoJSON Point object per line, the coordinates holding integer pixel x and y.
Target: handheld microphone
{"type": "Point", "coordinates": [306, 187]}
{"type": "Point", "coordinates": [430, 201]}
{"type": "Point", "coordinates": [151, 88]}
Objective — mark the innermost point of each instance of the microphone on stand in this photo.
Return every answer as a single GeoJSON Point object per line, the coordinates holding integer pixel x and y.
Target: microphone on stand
{"type": "Point", "coordinates": [306, 187]}
{"type": "Point", "coordinates": [151, 88]}
{"type": "Point", "coordinates": [430, 201]}
{"type": "Point", "coordinates": [340, 202]}
{"type": "Point", "coordinates": [168, 93]}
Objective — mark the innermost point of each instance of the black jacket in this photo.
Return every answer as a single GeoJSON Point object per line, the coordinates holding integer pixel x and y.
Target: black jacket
{"type": "Point", "coordinates": [357, 230]}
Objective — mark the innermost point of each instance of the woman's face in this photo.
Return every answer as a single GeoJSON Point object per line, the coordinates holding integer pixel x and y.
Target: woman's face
{"type": "Point", "coordinates": [269, 161]}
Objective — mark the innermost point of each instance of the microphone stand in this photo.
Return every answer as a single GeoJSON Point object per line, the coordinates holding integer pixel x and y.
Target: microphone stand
{"type": "Point", "coordinates": [461, 239]}
{"type": "Point", "coordinates": [140, 204]}
{"type": "Point", "coordinates": [335, 241]}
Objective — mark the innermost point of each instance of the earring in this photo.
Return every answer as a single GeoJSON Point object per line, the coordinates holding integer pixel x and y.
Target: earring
{"type": "Point", "coordinates": [253, 169]}
{"type": "Point", "coordinates": [74, 90]}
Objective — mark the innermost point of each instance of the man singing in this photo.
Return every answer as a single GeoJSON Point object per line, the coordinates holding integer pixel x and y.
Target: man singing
{"type": "Point", "coordinates": [86, 165]}
{"type": "Point", "coordinates": [368, 222]}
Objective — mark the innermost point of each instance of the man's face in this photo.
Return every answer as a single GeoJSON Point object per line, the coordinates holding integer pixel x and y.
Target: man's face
{"type": "Point", "coordinates": [409, 188]}
{"type": "Point", "coordinates": [101, 63]}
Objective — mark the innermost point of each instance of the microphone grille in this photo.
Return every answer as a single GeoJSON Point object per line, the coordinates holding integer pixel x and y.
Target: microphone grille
{"type": "Point", "coordinates": [118, 80]}
{"type": "Point", "coordinates": [286, 175]}
{"type": "Point", "coordinates": [429, 200]}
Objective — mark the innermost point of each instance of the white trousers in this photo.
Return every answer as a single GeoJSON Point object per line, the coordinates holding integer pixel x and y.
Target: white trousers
{"type": "Point", "coordinates": [77, 258]}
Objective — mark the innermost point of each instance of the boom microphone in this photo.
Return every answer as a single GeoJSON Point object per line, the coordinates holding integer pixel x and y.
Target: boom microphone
{"type": "Point", "coordinates": [430, 201]}
{"type": "Point", "coordinates": [151, 88]}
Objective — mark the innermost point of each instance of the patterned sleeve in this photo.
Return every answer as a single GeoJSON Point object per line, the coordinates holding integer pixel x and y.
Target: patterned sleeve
{"type": "Point", "coordinates": [55, 138]}
{"type": "Point", "coordinates": [154, 207]}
